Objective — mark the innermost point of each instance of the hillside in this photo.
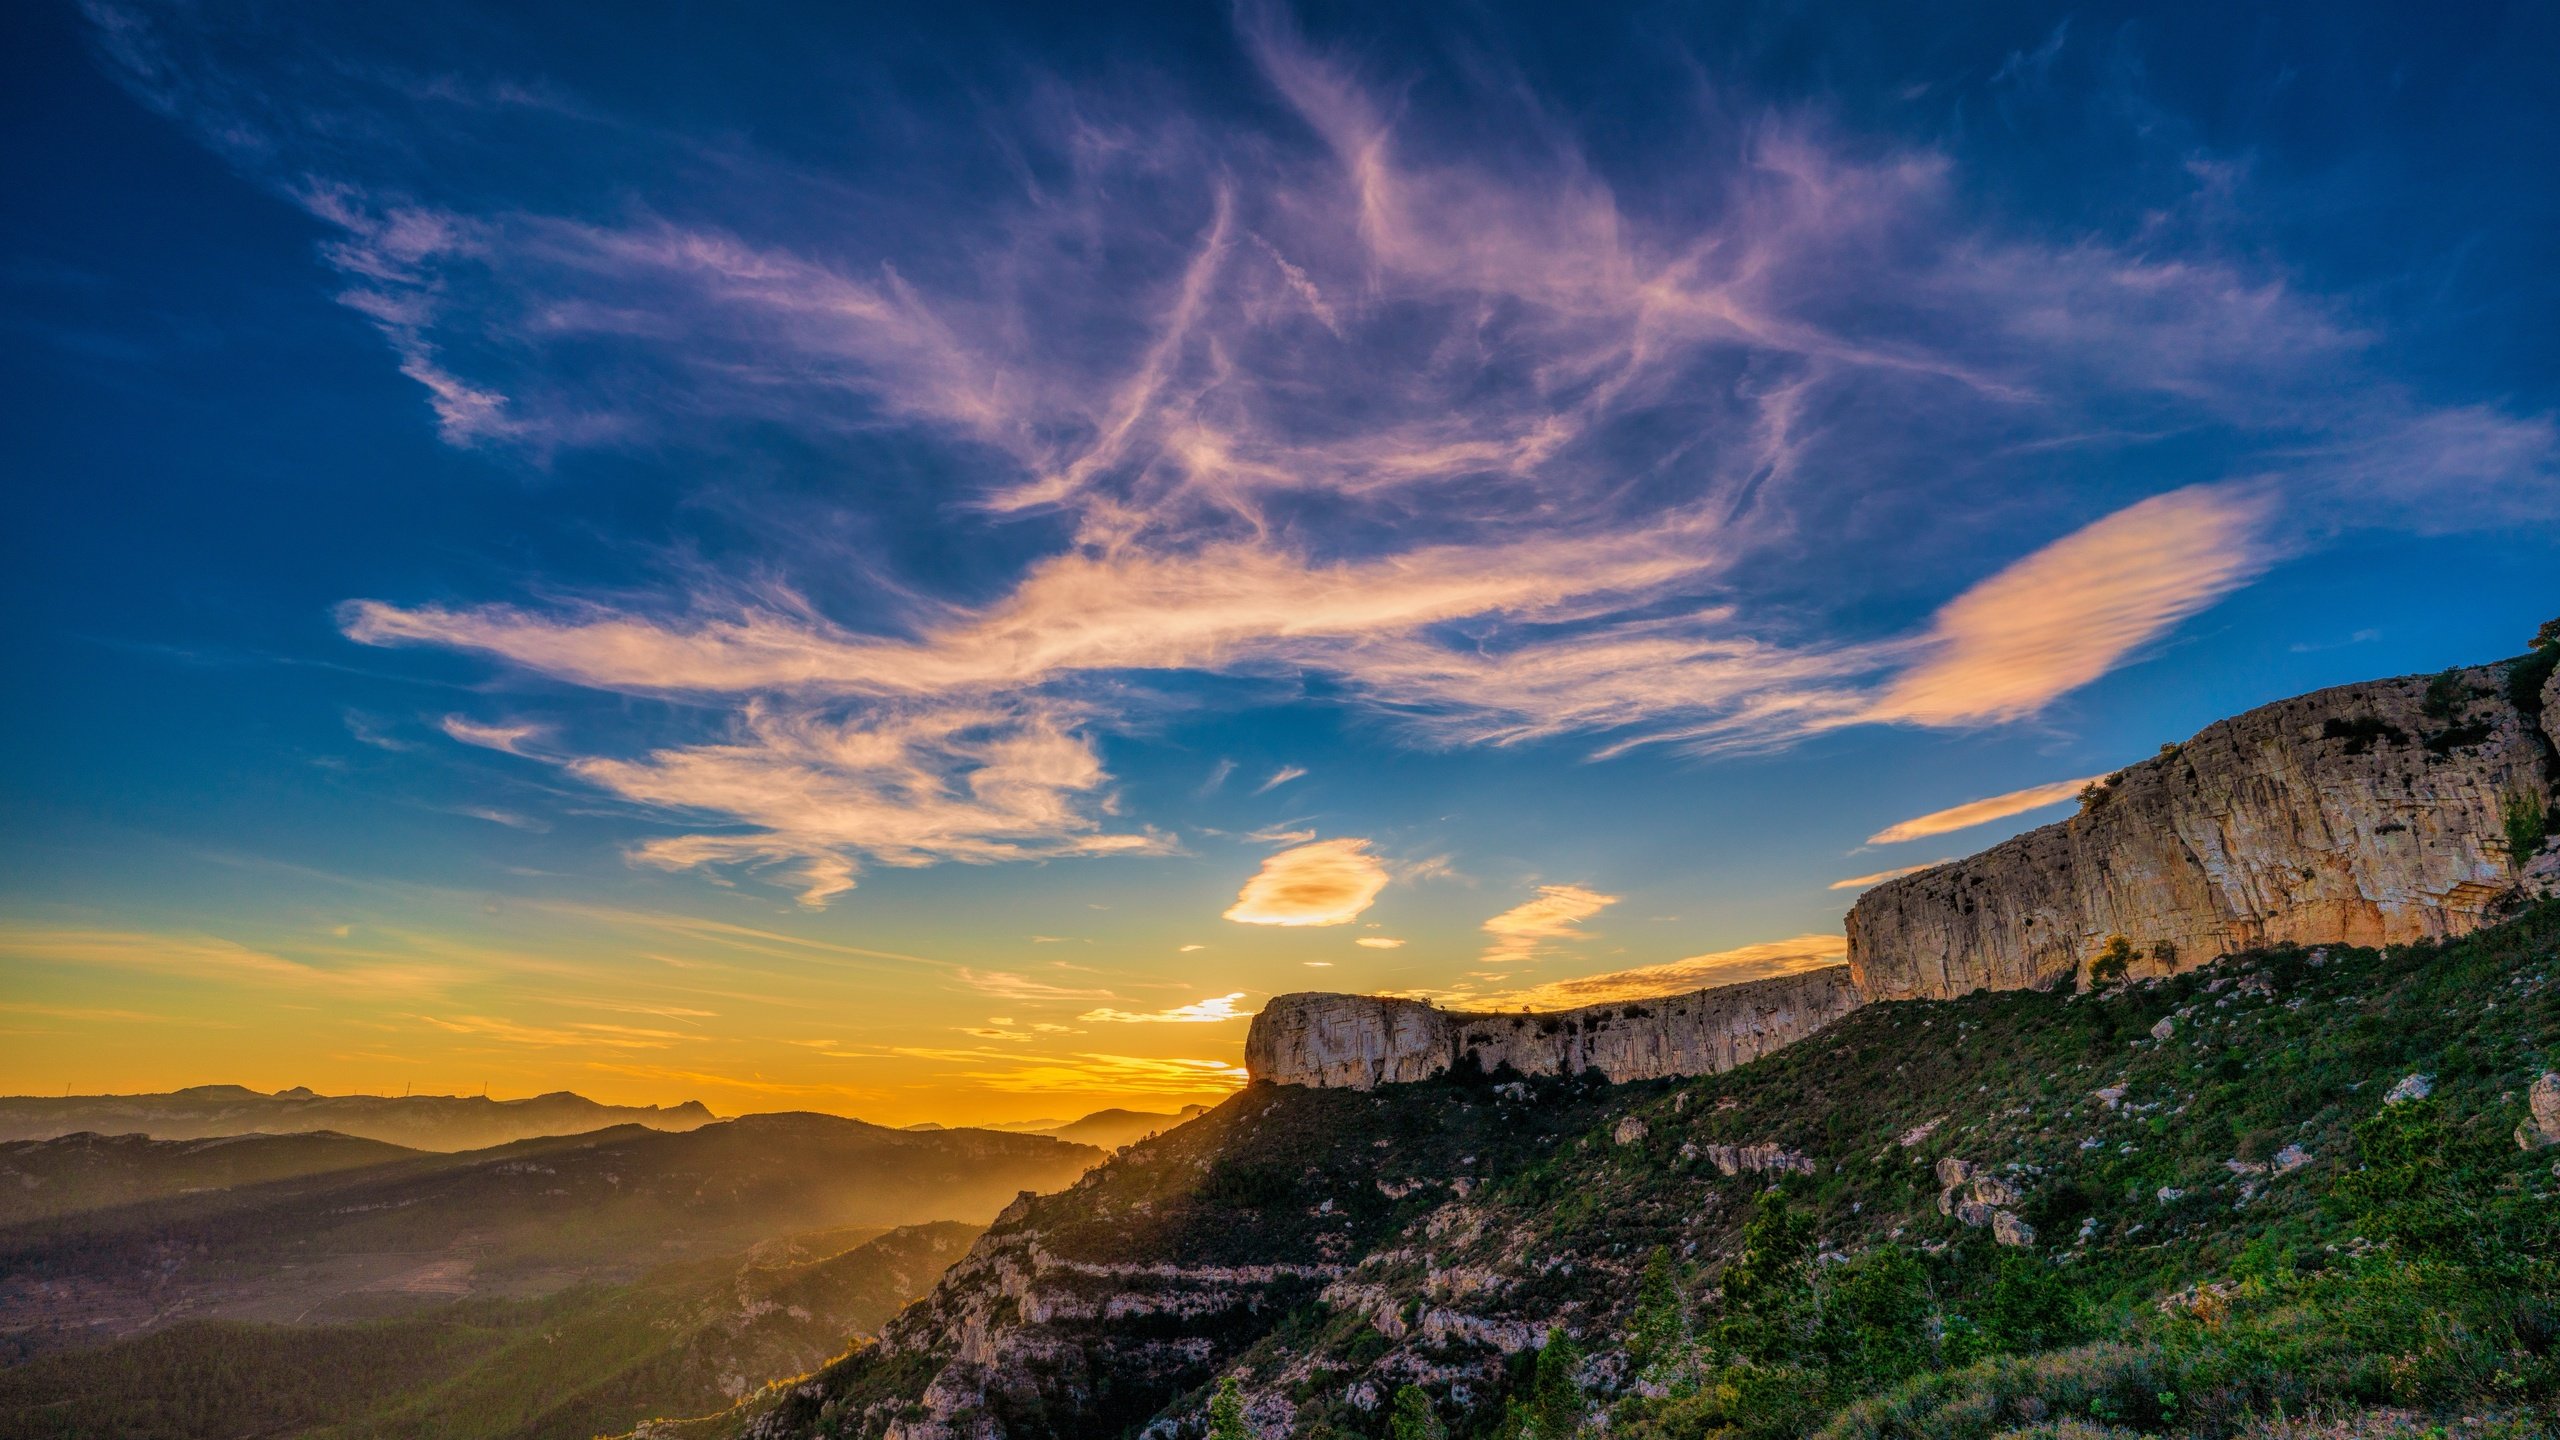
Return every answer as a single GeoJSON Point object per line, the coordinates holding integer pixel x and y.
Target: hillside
{"type": "Point", "coordinates": [2220, 1201]}
{"type": "Point", "coordinates": [40, 1178]}
{"type": "Point", "coordinates": [1110, 1129]}
{"type": "Point", "coordinates": [420, 1122]}
{"type": "Point", "coordinates": [518, 1220]}
{"type": "Point", "coordinates": [685, 1339]}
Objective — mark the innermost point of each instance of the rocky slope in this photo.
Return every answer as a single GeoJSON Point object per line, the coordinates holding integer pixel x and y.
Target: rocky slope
{"type": "Point", "coordinates": [1362, 1041]}
{"type": "Point", "coordinates": [2367, 814]}
{"type": "Point", "coordinates": [2164, 1205]}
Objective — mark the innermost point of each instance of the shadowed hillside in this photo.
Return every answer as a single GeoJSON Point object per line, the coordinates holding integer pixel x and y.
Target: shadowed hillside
{"type": "Point", "coordinates": [2296, 1182]}
{"type": "Point", "coordinates": [684, 1339]}
{"type": "Point", "coordinates": [518, 1220]}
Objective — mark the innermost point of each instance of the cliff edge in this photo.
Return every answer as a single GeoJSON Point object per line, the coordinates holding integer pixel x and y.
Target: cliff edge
{"type": "Point", "coordinates": [2368, 814]}
{"type": "Point", "coordinates": [1359, 1042]}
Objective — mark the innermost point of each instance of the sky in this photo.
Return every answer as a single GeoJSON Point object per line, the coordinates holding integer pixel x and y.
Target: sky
{"type": "Point", "coordinates": [924, 561]}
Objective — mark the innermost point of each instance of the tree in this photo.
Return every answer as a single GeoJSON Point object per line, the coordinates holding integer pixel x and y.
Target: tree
{"type": "Point", "coordinates": [1226, 1413]}
{"type": "Point", "coordinates": [1414, 1418]}
{"type": "Point", "coordinates": [2548, 637]}
{"type": "Point", "coordinates": [1768, 1289]}
{"type": "Point", "coordinates": [1659, 1328]}
{"type": "Point", "coordinates": [2112, 961]}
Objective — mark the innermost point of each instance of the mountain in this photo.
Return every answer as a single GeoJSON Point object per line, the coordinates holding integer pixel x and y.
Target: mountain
{"type": "Point", "coordinates": [1111, 1129]}
{"type": "Point", "coordinates": [41, 1178]}
{"type": "Point", "coordinates": [2292, 1182]}
{"type": "Point", "coordinates": [2107, 1131]}
{"type": "Point", "coordinates": [420, 1122]}
{"type": "Point", "coordinates": [529, 1218]}
{"type": "Point", "coordinates": [685, 1339]}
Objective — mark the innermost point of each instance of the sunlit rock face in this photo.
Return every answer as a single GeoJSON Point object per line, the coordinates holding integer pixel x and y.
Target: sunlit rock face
{"type": "Point", "coordinates": [2366, 815]}
{"type": "Point", "coordinates": [1363, 1041]}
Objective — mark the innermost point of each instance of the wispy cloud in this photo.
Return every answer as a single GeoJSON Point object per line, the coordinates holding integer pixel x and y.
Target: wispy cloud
{"type": "Point", "coordinates": [1328, 882]}
{"type": "Point", "coordinates": [1005, 985]}
{"type": "Point", "coordinates": [1980, 812]}
{"type": "Point", "coordinates": [2073, 610]}
{"type": "Point", "coordinates": [515, 738]}
{"type": "Point", "coordinates": [1379, 942]}
{"type": "Point", "coordinates": [1280, 777]}
{"type": "Point", "coordinates": [1112, 1075]}
{"type": "Point", "coordinates": [1199, 1012]}
{"type": "Point", "coordinates": [215, 960]}
{"type": "Point", "coordinates": [1492, 449]}
{"type": "Point", "coordinates": [1763, 961]}
{"type": "Point", "coordinates": [1861, 882]}
{"type": "Point", "coordinates": [1555, 914]}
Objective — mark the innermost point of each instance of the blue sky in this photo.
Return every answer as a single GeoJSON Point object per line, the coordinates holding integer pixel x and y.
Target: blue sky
{"type": "Point", "coordinates": [917, 560]}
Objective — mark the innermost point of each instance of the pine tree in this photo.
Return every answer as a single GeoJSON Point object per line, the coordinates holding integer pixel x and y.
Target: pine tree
{"type": "Point", "coordinates": [1414, 1418]}
{"type": "Point", "coordinates": [1659, 1328]}
{"type": "Point", "coordinates": [1226, 1413]}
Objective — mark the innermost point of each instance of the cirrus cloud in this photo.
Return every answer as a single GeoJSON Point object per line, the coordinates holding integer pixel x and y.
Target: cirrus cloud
{"type": "Point", "coordinates": [1978, 812]}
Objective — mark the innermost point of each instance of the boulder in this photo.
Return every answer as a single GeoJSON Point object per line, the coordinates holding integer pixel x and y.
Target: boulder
{"type": "Point", "coordinates": [2542, 1114]}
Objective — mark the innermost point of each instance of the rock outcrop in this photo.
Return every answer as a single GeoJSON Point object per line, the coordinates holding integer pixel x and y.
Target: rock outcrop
{"type": "Point", "coordinates": [1359, 1042]}
{"type": "Point", "coordinates": [2366, 815]}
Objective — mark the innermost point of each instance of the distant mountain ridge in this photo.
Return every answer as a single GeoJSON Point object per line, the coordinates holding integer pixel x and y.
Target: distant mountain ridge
{"type": "Point", "coordinates": [420, 1122]}
{"type": "Point", "coordinates": [528, 1218]}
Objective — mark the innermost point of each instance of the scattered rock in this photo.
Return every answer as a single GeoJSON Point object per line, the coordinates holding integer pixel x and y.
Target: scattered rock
{"type": "Point", "coordinates": [2542, 1122]}
{"type": "Point", "coordinates": [2164, 1029]}
{"type": "Point", "coordinates": [2411, 1087]}
{"type": "Point", "coordinates": [1629, 1131]}
{"type": "Point", "coordinates": [1757, 1159]}
{"type": "Point", "coordinates": [2008, 1229]}
{"type": "Point", "coordinates": [2290, 1159]}
{"type": "Point", "coordinates": [1918, 1133]}
{"type": "Point", "coordinates": [2113, 1095]}
{"type": "Point", "coordinates": [2171, 1194]}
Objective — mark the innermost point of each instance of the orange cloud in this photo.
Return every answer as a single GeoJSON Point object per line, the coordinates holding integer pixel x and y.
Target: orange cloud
{"type": "Point", "coordinates": [1556, 914]}
{"type": "Point", "coordinates": [1698, 972]}
{"type": "Point", "coordinates": [1199, 1012]}
{"type": "Point", "coordinates": [1328, 882]}
{"type": "Point", "coordinates": [1379, 942]}
{"type": "Point", "coordinates": [1861, 882]}
{"type": "Point", "coordinates": [1977, 812]}
{"type": "Point", "coordinates": [2071, 611]}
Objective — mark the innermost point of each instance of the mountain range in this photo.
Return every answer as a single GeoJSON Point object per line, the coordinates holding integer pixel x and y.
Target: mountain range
{"type": "Point", "coordinates": [420, 1122]}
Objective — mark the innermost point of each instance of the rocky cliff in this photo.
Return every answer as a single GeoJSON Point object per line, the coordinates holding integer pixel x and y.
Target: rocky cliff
{"type": "Point", "coordinates": [2368, 814]}
{"type": "Point", "coordinates": [1361, 1041]}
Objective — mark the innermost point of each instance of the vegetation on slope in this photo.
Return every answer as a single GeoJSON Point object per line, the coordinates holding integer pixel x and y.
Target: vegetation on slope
{"type": "Point", "coordinates": [527, 1218]}
{"type": "Point", "coordinates": [687, 1339]}
{"type": "Point", "coordinates": [2230, 1224]}
{"type": "Point", "coordinates": [88, 1171]}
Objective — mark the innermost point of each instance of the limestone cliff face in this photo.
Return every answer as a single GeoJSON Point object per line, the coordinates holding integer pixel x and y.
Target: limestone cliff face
{"type": "Point", "coordinates": [1362, 1041]}
{"type": "Point", "coordinates": [2367, 815]}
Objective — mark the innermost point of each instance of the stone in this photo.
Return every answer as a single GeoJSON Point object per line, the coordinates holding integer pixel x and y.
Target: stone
{"type": "Point", "coordinates": [2290, 1159]}
{"type": "Point", "coordinates": [2410, 1087]}
{"type": "Point", "coordinates": [2323, 819]}
{"type": "Point", "coordinates": [2541, 1126]}
{"type": "Point", "coordinates": [2165, 1028]}
{"type": "Point", "coordinates": [2008, 1229]}
{"type": "Point", "coordinates": [1764, 1158]}
{"type": "Point", "coordinates": [1630, 1130]}
{"type": "Point", "coordinates": [2113, 1095]}
{"type": "Point", "coordinates": [1362, 1041]}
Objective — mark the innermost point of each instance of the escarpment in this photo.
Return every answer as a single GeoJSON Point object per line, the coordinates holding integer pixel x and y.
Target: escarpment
{"type": "Point", "coordinates": [1359, 1042]}
{"type": "Point", "coordinates": [2369, 814]}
